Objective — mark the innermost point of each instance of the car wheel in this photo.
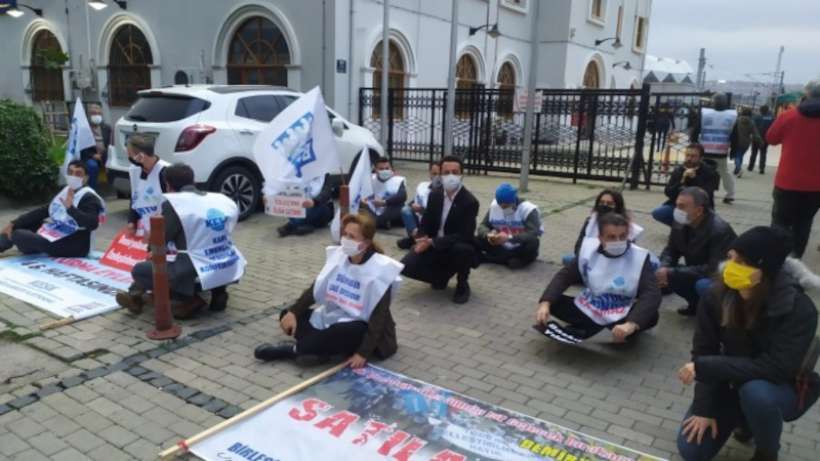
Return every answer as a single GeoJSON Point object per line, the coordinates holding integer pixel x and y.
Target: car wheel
{"type": "Point", "coordinates": [241, 186]}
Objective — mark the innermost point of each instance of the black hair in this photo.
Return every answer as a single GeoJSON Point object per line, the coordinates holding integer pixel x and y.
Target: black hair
{"type": "Point", "coordinates": [452, 158]}
{"type": "Point", "coordinates": [764, 110]}
{"type": "Point", "coordinates": [698, 147]}
{"type": "Point", "coordinates": [179, 175]}
{"type": "Point", "coordinates": [620, 205]}
{"type": "Point", "coordinates": [381, 160]}
{"type": "Point", "coordinates": [612, 219]}
{"type": "Point", "coordinates": [78, 164]}
{"type": "Point", "coordinates": [699, 195]}
{"type": "Point", "coordinates": [140, 143]}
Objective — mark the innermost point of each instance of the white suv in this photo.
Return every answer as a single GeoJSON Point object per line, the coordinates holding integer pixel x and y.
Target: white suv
{"type": "Point", "coordinates": [212, 128]}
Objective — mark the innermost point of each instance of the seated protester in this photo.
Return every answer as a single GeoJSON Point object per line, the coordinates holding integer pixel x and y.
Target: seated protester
{"type": "Point", "coordinates": [445, 245]}
{"type": "Point", "coordinates": [353, 292]}
{"type": "Point", "coordinates": [510, 230]}
{"type": "Point", "coordinates": [693, 173]}
{"type": "Point", "coordinates": [412, 212]}
{"type": "Point", "coordinates": [701, 238]}
{"type": "Point", "coordinates": [389, 194]}
{"type": "Point", "coordinates": [620, 290]}
{"type": "Point", "coordinates": [608, 200]}
{"type": "Point", "coordinates": [96, 156]}
{"type": "Point", "coordinates": [65, 226]}
{"type": "Point", "coordinates": [147, 176]}
{"type": "Point", "coordinates": [198, 227]}
{"type": "Point", "coordinates": [753, 353]}
{"type": "Point", "coordinates": [318, 206]}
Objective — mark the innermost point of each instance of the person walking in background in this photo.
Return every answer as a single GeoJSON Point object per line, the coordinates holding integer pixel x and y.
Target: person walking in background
{"type": "Point", "coordinates": [797, 182]}
{"type": "Point", "coordinates": [95, 157]}
{"type": "Point", "coordinates": [664, 121]}
{"type": "Point", "coordinates": [693, 173]}
{"type": "Point", "coordinates": [744, 135]}
{"type": "Point", "coordinates": [762, 122]}
{"type": "Point", "coordinates": [714, 130]}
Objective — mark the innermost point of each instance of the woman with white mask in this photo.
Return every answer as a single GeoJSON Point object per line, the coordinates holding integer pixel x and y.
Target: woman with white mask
{"type": "Point", "coordinates": [351, 295]}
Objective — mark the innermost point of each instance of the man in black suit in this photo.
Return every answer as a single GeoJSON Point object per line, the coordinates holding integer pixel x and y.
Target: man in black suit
{"type": "Point", "coordinates": [445, 245]}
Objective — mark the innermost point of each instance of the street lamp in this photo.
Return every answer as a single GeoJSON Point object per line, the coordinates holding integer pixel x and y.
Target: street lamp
{"type": "Point", "coordinates": [616, 44]}
{"type": "Point", "coordinates": [101, 5]}
{"type": "Point", "coordinates": [16, 12]}
{"type": "Point", "coordinates": [625, 64]}
{"type": "Point", "coordinates": [492, 30]}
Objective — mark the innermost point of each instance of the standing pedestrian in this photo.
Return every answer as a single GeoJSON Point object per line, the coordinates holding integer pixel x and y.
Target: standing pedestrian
{"type": "Point", "coordinates": [714, 130]}
{"type": "Point", "coordinates": [744, 135]}
{"type": "Point", "coordinates": [762, 122]}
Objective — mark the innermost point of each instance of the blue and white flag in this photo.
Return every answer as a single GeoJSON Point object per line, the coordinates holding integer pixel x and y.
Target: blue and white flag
{"type": "Point", "coordinates": [297, 146]}
{"type": "Point", "coordinates": [360, 187]}
{"type": "Point", "coordinates": [80, 135]}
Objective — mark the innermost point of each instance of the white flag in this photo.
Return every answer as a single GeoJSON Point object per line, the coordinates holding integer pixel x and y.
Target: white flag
{"type": "Point", "coordinates": [297, 146]}
{"type": "Point", "coordinates": [80, 135]}
{"type": "Point", "coordinates": [360, 187]}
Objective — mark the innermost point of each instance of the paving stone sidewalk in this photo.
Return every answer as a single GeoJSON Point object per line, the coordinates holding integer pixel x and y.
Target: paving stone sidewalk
{"type": "Point", "coordinates": [100, 390]}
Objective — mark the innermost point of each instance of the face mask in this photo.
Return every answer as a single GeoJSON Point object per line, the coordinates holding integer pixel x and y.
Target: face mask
{"type": "Point", "coordinates": [96, 119]}
{"type": "Point", "coordinates": [384, 175]}
{"type": "Point", "coordinates": [738, 276]}
{"type": "Point", "coordinates": [603, 209]}
{"type": "Point", "coordinates": [680, 217]}
{"type": "Point", "coordinates": [508, 211]}
{"type": "Point", "coordinates": [451, 182]}
{"type": "Point", "coordinates": [351, 247]}
{"type": "Point", "coordinates": [616, 248]}
{"type": "Point", "coordinates": [73, 182]}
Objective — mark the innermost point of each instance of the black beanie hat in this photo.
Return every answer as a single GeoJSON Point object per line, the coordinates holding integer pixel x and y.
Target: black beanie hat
{"type": "Point", "coordinates": [764, 247]}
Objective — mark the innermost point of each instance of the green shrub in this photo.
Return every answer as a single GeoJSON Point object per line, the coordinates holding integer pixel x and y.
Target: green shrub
{"type": "Point", "coordinates": [26, 167]}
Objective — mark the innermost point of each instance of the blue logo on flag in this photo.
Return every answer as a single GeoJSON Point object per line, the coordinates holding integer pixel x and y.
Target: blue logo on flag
{"type": "Point", "coordinates": [215, 220]}
{"type": "Point", "coordinates": [302, 156]}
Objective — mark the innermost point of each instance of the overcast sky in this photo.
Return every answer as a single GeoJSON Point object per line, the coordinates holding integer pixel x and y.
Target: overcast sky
{"type": "Point", "coordinates": [740, 36]}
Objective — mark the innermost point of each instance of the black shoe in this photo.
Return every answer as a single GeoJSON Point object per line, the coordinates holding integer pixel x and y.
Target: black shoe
{"type": "Point", "coordinates": [728, 201]}
{"type": "Point", "coordinates": [750, 169]}
{"type": "Point", "coordinates": [762, 172]}
{"type": "Point", "coordinates": [516, 263]}
{"type": "Point", "coordinates": [762, 456]}
{"type": "Point", "coordinates": [285, 230]}
{"type": "Point", "coordinates": [405, 243]}
{"type": "Point", "coordinates": [462, 294]}
{"type": "Point", "coordinates": [439, 285]}
{"type": "Point", "coordinates": [268, 352]}
{"type": "Point", "coordinates": [743, 435]}
{"type": "Point", "coordinates": [687, 311]}
{"type": "Point", "coordinates": [304, 229]}
{"type": "Point", "coordinates": [219, 301]}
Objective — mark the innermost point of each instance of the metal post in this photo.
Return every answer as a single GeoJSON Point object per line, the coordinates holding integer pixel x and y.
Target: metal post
{"type": "Point", "coordinates": [528, 120]}
{"type": "Point", "coordinates": [640, 134]}
{"type": "Point", "coordinates": [164, 327]}
{"type": "Point", "coordinates": [451, 83]}
{"type": "Point", "coordinates": [385, 70]}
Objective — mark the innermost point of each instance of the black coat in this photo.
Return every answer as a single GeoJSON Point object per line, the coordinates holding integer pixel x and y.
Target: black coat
{"type": "Point", "coordinates": [773, 349]}
{"type": "Point", "coordinates": [702, 248]}
{"type": "Point", "coordinates": [89, 152]}
{"type": "Point", "coordinates": [706, 178]}
{"type": "Point", "coordinates": [86, 213]}
{"type": "Point", "coordinates": [461, 221]}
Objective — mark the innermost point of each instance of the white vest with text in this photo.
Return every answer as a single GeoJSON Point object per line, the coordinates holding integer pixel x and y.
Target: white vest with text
{"type": "Point", "coordinates": [716, 130]}
{"type": "Point", "coordinates": [146, 194]}
{"type": "Point", "coordinates": [384, 190]}
{"type": "Point", "coordinates": [515, 223]}
{"type": "Point", "coordinates": [60, 223]}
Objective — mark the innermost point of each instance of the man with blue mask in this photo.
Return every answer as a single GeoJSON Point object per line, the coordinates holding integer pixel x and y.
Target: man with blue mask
{"type": "Point", "coordinates": [65, 226]}
{"type": "Point", "coordinates": [620, 291]}
{"type": "Point", "coordinates": [389, 194]}
{"type": "Point", "coordinates": [509, 233]}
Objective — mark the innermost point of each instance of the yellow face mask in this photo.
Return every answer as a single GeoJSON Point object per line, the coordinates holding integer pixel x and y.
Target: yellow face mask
{"type": "Point", "coordinates": [738, 276]}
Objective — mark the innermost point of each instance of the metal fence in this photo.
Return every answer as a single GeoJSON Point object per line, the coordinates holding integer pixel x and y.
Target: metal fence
{"type": "Point", "coordinates": [606, 135]}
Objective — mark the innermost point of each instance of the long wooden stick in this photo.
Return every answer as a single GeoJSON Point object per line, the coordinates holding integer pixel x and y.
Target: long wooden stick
{"type": "Point", "coordinates": [182, 446]}
{"type": "Point", "coordinates": [58, 323]}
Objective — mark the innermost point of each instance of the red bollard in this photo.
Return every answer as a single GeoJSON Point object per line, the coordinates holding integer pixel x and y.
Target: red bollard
{"type": "Point", "coordinates": [164, 327]}
{"type": "Point", "coordinates": [344, 200]}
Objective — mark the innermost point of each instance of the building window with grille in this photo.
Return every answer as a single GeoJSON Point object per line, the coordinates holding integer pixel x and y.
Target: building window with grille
{"type": "Point", "coordinates": [592, 76]}
{"type": "Point", "coordinates": [640, 34]}
{"type": "Point", "coordinates": [396, 78]}
{"type": "Point", "coordinates": [259, 54]}
{"type": "Point", "coordinates": [466, 84]}
{"type": "Point", "coordinates": [620, 26]}
{"type": "Point", "coordinates": [46, 73]}
{"type": "Point", "coordinates": [129, 65]}
{"type": "Point", "coordinates": [506, 86]}
{"type": "Point", "coordinates": [597, 11]}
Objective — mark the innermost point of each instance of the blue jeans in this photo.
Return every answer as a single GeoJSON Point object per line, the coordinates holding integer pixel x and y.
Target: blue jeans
{"type": "Point", "coordinates": [410, 220]}
{"type": "Point", "coordinates": [318, 216]}
{"type": "Point", "coordinates": [689, 287]}
{"type": "Point", "coordinates": [664, 214]}
{"type": "Point", "coordinates": [93, 172]}
{"type": "Point", "coordinates": [738, 156]}
{"type": "Point", "coordinates": [761, 404]}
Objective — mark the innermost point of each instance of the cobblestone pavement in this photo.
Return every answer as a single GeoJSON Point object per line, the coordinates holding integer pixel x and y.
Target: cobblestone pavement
{"type": "Point", "coordinates": [100, 390]}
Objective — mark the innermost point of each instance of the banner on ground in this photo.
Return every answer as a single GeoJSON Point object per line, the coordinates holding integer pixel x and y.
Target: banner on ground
{"type": "Point", "coordinates": [67, 287]}
{"type": "Point", "coordinates": [125, 251]}
{"type": "Point", "coordinates": [375, 414]}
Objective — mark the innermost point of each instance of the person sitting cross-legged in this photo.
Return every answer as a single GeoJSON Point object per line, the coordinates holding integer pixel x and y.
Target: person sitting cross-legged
{"type": "Point", "coordinates": [389, 194]}
{"type": "Point", "coordinates": [509, 233]}
{"type": "Point", "coordinates": [318, 205]}
{"type": "Point", "coordinates": [620, 290]}
{"type": "Point", "coordinates": [412, 212]}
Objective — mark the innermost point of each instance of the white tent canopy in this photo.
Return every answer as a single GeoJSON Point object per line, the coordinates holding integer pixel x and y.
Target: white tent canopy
{"type": "Point", "coordinates": [666, 69]}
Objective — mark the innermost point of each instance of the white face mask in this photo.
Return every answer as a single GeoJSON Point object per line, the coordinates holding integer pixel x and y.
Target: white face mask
{"type": "Point", "coordinates": [384, 175]}
{"type": "Point", "coordinates": [680, 217]}
{"type": "Point", "coordinates": [351, 247]}
{"type": "Point", "coordinates": [96, 119]}
{"type": "Point", "coordinates": [616, 248]}
{"type": "Point", "coordinates": [451, 182]}
{"type": "Point", "coordinates": [73, 182]}
{"type": "Point", "coordinates": [508, 211]}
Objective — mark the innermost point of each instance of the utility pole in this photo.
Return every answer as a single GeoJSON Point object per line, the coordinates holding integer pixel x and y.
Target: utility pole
{"type": "Point", "coordinates": [451, 83]}
{"type": "Point", "coordinates": [701, 80]}
{"type": "Point", "coordinates": [523, 181]}
{"type": "Point", "coordinates": [385, 90]}
{"type": "Point", "coordinates": [777, 74]}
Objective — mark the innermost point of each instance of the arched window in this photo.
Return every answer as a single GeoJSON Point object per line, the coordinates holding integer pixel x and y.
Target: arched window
{"type": "Point", "coordinates": [466, 72]}
{"type": "Point", "coordinates": [129, 65]}
{"type": "Point", "coordinates": [396, 77]}
{"type": "Point", "coordinates": [259, 54]}
{"type": "Point", "coordinates": [506, 86]}
{"type": "Point", "coordinates": [592, 76]}
{"type": "Point", "coordinates": [46, 68]}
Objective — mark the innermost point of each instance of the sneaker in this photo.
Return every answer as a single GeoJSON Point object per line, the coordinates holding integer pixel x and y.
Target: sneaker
{"type": "Point", "coordinates": [462, 294]}
{"type": "Point", "coordinates": [285, 230]}
{"type": "Point", "coordinates": [219, 301]}
{"type": "Point", "coordinates": [687, 311]}
{"type": "Point", "coordinates": [740, 174]}
{"type": "Point", "coordinates": [728, 200]}
{"type": "Point", "coordinates": [268, 352]}
{"type": "Point", "coordinates": [405, 243]}
{"type": "Point", "coordinates": [188, 308]}
{"type": "Point", "coordinates": [130, 300]}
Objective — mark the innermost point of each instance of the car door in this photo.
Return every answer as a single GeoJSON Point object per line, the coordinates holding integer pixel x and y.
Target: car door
{"type": "Point", "coordinates": [250, 116]}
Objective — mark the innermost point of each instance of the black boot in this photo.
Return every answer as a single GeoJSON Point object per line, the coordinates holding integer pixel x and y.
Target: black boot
{"type": "Point", "coordinates": [268, 352]}
{"type": "Point", "coordinates": [688, 311]}
{"type": "Point", "coordinates": [303, 229]}
{"type": "Point", "coordinates": [760, 455]}
{"type": "Point", "coordinates": [462, 294]}
{"type": "Point", "coordinates": [285, 230]}
{"type": "Point", "coordinates": [405, 243]}
{"type": "Point", "coordinates": [219, 299]}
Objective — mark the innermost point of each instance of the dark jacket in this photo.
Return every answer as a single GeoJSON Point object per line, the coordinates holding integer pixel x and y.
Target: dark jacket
{"type": "Point", "coordinates": [773, 349]}
{"type": "Point", "coordinates": [325, 195]}
{"type": "Point", "coordinates": [762, 123]}
{"type": "Point", "coordinates": [380, 339]}
{"type": "Point", "coordinates": [397, 199]}
{"type": "Point", "coordinates": [133, 217]}
{"type": "Point", "coordinates": [532, 226]}
{"type": "Point", "coordinates": [86, 213]}
{"type": "Point", "coordinates": [645, 310]}
{"type": "Point", "coordinates": [461, 221]}
{"type": "Point", "coordinates": [702, 248]}
{"type": "Point", "coordinates": [89, 152]}
{"type": "Point", "coordinates": [705, 177]}
{"type": "Point", "coordinates": [744, 133]}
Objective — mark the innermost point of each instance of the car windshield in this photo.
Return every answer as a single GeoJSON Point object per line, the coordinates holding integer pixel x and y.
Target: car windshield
{"type": "Point", "coordinates": [165, 108]}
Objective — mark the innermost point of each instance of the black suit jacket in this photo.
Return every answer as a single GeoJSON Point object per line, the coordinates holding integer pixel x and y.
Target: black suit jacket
{"type": "Point", "coordinates": [461, 221]}
{"type": "Point", "coordinates": [89, 152]}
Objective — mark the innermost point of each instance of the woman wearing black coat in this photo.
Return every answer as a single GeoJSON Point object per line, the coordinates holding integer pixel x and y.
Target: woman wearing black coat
{"type": "Point", "coordinates": [752, 360]}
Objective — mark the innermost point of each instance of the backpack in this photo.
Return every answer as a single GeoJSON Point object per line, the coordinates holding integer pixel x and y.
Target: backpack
{"type": "Point", "coordinates": [807, 382]}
